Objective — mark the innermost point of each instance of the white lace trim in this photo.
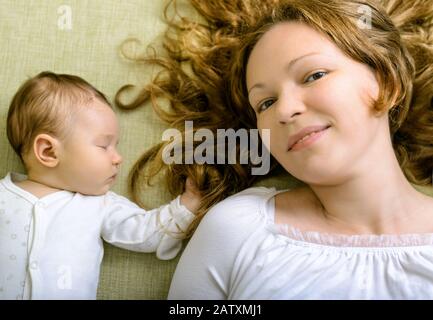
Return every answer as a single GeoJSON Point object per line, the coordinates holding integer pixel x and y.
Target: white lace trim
{"type": "Point", "coordinates": [361, 240]}
{"type": "Point", "coordinates": [342, 240]}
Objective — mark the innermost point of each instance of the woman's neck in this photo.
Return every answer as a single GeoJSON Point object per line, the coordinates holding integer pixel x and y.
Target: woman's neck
{"type": "Point", "coordinates": [376, 200]}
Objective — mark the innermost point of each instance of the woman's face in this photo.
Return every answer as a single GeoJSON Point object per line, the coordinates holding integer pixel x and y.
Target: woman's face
{"type": "Point", "coordinates": [297, 78]}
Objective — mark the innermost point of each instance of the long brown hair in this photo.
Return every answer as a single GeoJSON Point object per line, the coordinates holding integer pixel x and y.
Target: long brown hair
{"type": "Point", "coordinates": [203, 78]}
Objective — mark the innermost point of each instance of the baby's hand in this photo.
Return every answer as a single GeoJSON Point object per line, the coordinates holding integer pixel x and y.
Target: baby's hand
{"type": "Point", "coordinates": [191, 197]}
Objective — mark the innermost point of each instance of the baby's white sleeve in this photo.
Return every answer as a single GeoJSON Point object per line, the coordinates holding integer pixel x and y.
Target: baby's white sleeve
{"type": "Point", "coordinates": [160, 230]}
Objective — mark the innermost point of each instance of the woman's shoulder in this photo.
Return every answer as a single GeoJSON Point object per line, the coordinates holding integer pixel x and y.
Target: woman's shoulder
{"type": "Point", "coordinates": [249, 201]}
{"type": "Point", "coordinates": [252, 195]}
{"type": "Point", "coordinates": [241, 211]}
{"type": "Point", "coordinates": [225, 228]}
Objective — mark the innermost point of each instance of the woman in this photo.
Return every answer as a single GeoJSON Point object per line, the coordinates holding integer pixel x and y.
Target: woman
{"type": "Point", "coordinates": [345, 89]}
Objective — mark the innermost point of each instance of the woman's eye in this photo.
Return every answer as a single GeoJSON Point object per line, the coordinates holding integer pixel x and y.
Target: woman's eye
{"type": "Point", "coordinates": [316, 76]}
{"type": "Point", "coordinates": [265, 104]}
{"type": "Point", "coordinates": [103, 147]}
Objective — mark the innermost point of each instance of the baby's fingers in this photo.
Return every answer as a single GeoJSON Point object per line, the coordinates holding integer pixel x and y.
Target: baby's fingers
{"type": "Point", "coordinates": [191, 187]}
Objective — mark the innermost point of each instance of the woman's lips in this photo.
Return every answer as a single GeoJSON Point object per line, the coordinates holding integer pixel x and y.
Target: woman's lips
{"type": "Point", "coordinates": [308, 140]}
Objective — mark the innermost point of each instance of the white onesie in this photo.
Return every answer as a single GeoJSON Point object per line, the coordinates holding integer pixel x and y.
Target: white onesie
{"type": "Point", "coordinates": [51, 247]}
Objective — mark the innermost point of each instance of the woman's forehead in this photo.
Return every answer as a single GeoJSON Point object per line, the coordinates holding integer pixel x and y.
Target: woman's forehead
{"type": "Point", "coordinates": [287, 42]}
{"type": "Point", "coordinates": [291, 39]}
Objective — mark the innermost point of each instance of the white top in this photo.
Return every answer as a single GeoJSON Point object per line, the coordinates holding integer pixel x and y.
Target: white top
{"type": "Point", "coordinates": [237, 252]}
{"type": "Point", "coordinates": [51, 248]}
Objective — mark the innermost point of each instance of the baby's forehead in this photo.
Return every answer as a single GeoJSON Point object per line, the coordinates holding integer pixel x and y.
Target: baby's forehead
{"type": "Point", "coordinates": [96, 117]}
{"type": "Point", "coordinates": [92, 107]}
{"type": "Point", "coordinates": [91, 101]}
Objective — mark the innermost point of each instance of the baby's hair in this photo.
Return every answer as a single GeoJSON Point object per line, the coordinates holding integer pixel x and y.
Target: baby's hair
{"type": "Point", "coordinates": [203, 78]}
{"type": "Point", "coordinates": [47, 104]}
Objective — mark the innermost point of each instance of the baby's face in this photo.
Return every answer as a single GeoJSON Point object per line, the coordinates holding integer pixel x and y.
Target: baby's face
{"type": "Point", "coordinates": [89, 159]}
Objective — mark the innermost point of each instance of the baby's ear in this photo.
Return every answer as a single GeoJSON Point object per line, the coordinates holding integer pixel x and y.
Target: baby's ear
{"type": "Point", "coordinates": [46, 148]}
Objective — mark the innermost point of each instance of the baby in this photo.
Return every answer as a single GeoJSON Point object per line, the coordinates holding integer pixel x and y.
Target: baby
{"type": "Point", "coordinates": [53, 218]}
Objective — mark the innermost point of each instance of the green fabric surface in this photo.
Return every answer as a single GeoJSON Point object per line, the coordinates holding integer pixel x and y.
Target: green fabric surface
{"type": "Point", "coordinates": [31, 41]}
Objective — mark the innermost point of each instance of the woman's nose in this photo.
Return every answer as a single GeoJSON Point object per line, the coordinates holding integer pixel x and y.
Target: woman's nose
{"type": "Point", "coordinates": [288, 107]}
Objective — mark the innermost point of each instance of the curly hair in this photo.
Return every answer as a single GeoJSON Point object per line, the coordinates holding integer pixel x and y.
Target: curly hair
{"type": "Point", "coordinates": [202, 76]}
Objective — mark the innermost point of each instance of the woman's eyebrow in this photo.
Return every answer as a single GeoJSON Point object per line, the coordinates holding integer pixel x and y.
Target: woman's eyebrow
{"type": "Point", "coordinates": [289, 65]}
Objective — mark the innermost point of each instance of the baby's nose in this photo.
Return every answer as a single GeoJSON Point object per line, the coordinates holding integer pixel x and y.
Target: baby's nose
{"type": "Point", "coordinates": [117, 159]}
